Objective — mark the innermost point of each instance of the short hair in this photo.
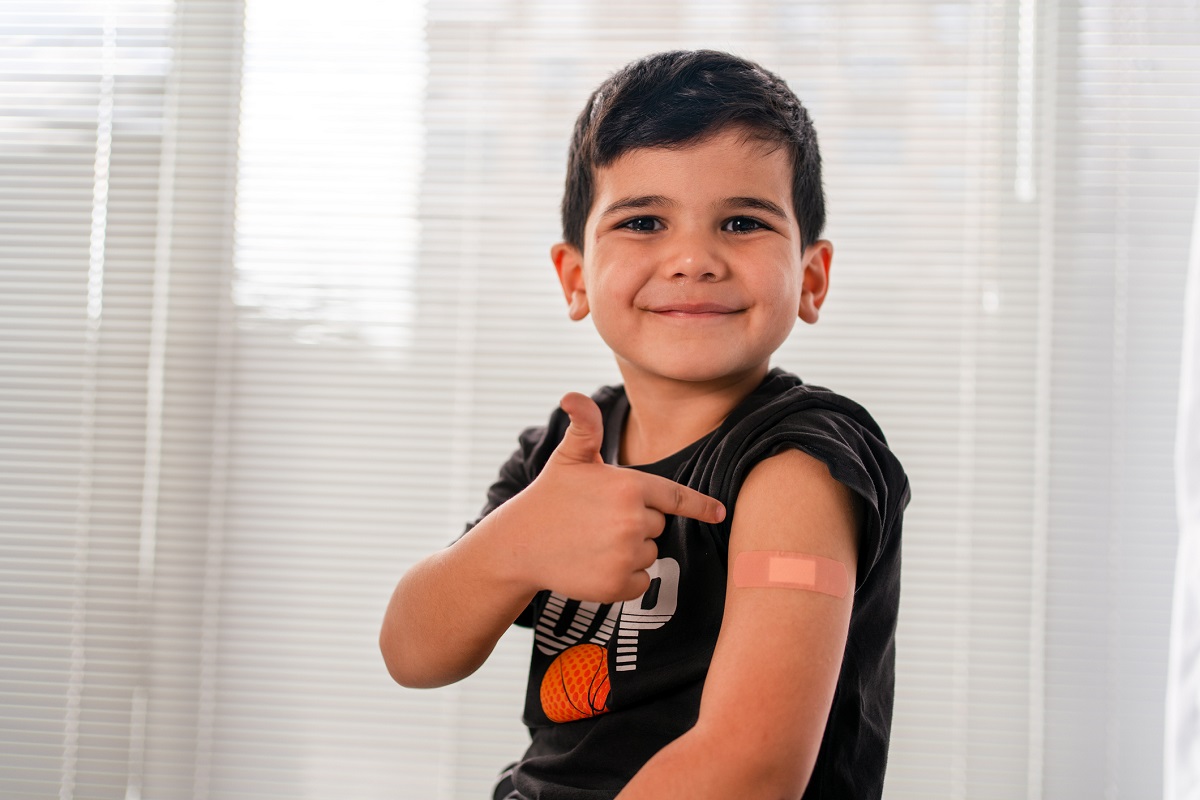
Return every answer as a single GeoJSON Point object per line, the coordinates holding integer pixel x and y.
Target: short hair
{"type": "Point", "coordinates": [677, 98]}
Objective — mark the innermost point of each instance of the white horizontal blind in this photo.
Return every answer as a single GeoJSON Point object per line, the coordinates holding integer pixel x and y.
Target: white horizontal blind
{"type": "Point", "coordinates": [81, 138]}
{"type": "Point", "coordinates": [119, 148]}
{"type": "Point", "coordinates": [218, 462]}
{"type": "Point", "coordinates": [334, 475]}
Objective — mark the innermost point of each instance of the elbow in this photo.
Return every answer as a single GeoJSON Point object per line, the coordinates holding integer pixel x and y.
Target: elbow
{"type": "Point", "coordinates": [400, 647]}
{"type": "Point", "coordinates": [391, 652]}
{"type": "Point", "coordinates": [401, 669]}
{"type": "Point", "coordinates": [411, 666]}
{"type": "Point", "coordinates": [397, 658]}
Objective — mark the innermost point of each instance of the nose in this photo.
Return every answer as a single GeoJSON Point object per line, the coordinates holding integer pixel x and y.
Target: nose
{"type": "Point", "coordinates": [697, 258]}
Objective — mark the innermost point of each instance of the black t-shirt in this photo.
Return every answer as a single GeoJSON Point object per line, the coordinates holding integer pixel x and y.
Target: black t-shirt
{"type": "Point", "coordinates": [611, 684]}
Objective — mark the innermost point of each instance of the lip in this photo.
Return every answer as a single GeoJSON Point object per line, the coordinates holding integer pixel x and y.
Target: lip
{"type": "Point", "coordinates": [693, 310]}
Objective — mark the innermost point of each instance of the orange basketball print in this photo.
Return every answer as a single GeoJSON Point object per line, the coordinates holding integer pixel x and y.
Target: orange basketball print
{"type": "Point", "coordinates": [576, 684]}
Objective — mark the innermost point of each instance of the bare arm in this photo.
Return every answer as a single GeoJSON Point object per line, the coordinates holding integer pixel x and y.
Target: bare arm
{"type": "Point", "coordinates": [583, 528]}
{"type": "Point", "coordinates": [449, 610]}
{"type": "Point", "coordinates": [750, 742]}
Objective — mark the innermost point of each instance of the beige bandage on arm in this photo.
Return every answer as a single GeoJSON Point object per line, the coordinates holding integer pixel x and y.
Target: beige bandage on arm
{"type": "Point", "coordinates": [780, 569]}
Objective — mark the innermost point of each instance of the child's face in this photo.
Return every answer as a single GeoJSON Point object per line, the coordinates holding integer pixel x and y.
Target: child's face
{"type": "Point", "coordinates": [692, 267]}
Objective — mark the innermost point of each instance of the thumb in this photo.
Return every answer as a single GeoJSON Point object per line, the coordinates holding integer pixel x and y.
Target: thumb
{"type": "Point", "coordinates": [582, 441]}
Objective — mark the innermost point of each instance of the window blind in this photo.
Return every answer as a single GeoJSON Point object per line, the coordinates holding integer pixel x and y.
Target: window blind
{"type": "Point", "coordinates": [277, 300]}
{"type": "Point", "coordinates": [81, 149]}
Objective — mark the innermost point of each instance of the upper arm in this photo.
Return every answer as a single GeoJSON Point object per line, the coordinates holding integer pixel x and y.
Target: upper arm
{"type": "Point", "coordinates": [779, 652]}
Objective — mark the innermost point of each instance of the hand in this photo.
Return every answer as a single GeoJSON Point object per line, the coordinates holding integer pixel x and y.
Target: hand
{"type": "Point", "coordinates": [586, 529]}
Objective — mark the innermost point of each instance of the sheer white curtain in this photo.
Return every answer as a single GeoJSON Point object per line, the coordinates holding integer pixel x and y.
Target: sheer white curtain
{"type": "Point", "coordinates": [117, 173]}
{"type": "Point", "coordinates": [277, 301]}
{"type": "Point", "coordinates": [1182, 741]}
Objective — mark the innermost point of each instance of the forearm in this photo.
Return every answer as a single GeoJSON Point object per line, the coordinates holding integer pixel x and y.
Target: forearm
{"type": "Point", "coordinates": [449, 610]}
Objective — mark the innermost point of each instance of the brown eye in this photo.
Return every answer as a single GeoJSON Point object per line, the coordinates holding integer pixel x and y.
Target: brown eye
{"type": "Point", "coordinates": [642, 224]}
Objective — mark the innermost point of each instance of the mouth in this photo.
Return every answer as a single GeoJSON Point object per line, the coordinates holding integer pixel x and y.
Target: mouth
{"type": "Point", "coordinates": [694, 310]}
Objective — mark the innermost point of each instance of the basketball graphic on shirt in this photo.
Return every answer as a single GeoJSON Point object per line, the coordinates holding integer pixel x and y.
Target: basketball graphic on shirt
{"type": "Point", "coordinates": [576, 684]}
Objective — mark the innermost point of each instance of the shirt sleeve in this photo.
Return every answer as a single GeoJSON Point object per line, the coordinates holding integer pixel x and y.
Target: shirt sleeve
{"type": "Point", "coordinates": [848, 443]}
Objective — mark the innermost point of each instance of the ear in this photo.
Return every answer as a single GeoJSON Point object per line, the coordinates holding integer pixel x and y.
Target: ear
{"type": "Point", "coordinates": [816, 260]}
{"type": "Point", "coordinates": [568, 263]}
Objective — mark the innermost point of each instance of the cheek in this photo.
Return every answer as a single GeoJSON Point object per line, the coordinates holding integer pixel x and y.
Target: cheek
{"type": "Point", "coordinates": [612, 285]}
{"type": "Point", "coordinates": [782, 286]}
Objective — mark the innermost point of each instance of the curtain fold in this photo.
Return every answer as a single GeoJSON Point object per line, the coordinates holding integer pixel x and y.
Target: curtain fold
{"type": "Point", "coordinates": [1182, 740]}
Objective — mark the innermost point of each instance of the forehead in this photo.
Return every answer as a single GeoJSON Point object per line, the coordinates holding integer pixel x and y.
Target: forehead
{"type": "Point", "coordinates": [730, 163]}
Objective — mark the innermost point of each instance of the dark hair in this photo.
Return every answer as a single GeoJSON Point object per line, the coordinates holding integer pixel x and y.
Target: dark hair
{"type": "Point", "coordinates": [675, 98]}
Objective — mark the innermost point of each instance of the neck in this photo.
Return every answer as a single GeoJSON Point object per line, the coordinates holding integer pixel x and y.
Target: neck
{"type": "Point", "coordinates": [666, 415]}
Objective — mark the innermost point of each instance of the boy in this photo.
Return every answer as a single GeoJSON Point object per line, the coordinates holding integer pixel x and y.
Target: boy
{"type": "Point", "coordinates": [718, 620]}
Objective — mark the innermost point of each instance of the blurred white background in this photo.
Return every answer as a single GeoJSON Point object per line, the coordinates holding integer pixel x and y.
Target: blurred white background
{"type": "Point", "coordinates": [275, 301]}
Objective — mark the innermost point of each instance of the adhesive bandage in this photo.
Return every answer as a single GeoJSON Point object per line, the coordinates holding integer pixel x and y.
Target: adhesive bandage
{"type": "Point", "coordinates": [779, 569]}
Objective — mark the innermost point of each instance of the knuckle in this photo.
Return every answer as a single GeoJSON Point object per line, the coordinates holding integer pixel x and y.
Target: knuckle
{"type": "Point", "coordinates": [629, 493]}
{"type": "Point", "coordinates": [616, 588]}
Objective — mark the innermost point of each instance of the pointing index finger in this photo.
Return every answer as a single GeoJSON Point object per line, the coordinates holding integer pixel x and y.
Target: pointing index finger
{"type": "Point", "coordinates": [669, 497]}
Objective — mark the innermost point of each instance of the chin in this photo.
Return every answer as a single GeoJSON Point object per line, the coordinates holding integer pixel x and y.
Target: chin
{"type": "Point", "coordinates": [698, 371]}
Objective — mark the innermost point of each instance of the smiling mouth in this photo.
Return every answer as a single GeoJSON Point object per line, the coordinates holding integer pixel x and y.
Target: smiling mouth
{"type": "Point", "coordinates": [695, 310]}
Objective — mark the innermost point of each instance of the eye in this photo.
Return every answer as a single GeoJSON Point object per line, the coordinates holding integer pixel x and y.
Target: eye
{"type": "Point", "coordinates": [743, 225]}
{"type": "Point", "coordinates": [642, 224]}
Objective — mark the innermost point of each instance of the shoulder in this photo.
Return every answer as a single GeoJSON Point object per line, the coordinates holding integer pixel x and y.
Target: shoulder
{"type": "Point", "coordinates": [772, 491]}
{"type": "Point", "coordinates": [785, 399]}
{"type": "Point", "coordinates": [786, 414]}
{"type": "Point", "coordinates": [789, 472]}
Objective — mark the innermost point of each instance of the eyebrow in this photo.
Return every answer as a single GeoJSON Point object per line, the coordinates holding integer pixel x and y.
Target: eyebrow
{"type": "Point", "coordinates": [758, 203]}
{"type": "Point", "coordinates": [657, 201]}
{"type": "Point", "coordinates": [636, 204]}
